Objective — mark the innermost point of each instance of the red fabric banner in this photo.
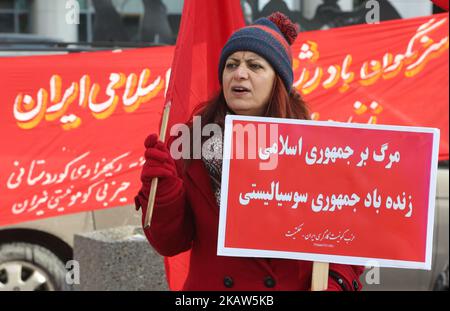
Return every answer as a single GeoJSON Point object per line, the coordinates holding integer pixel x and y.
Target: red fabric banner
{"type": "Point", "coordinates": [205, 27]}
{"type": "Point", "coordinates": [389, 73]}
{"type": "Point", "coordinates": [72, 128]}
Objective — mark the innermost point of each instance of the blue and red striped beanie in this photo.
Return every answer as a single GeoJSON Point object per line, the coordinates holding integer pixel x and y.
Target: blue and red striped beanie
{"type": "Point", "coordinates": [270, 37]}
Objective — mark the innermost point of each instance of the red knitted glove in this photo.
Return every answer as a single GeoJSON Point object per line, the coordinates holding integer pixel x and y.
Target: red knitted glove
{"type": "Point", "coordinates": [158, 164]}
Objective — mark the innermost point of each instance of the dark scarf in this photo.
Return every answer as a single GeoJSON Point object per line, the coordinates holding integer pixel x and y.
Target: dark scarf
{"type": "Point", "coordinates": [212, 152]}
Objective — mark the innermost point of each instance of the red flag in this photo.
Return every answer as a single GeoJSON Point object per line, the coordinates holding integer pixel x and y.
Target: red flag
{"type": "Point", "coordinates": [205, 27]}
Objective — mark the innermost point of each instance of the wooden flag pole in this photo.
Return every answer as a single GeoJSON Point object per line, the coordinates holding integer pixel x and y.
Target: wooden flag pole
{"type": "Point", "coordinates": [319, 280]}
{"type": "Point", "coordinates": [154, 185]}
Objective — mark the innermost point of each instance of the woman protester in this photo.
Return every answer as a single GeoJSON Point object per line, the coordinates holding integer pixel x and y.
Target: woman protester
{"type": "Point", "coordinates": [256, 77]}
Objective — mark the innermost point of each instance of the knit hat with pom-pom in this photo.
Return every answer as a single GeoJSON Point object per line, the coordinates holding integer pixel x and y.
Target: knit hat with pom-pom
{"type": "Point", "coordinates": [270, 37]}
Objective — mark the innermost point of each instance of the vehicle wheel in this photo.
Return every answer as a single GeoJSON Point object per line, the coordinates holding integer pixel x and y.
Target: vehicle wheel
{"type": "Point", "coordinates": [30, 267]}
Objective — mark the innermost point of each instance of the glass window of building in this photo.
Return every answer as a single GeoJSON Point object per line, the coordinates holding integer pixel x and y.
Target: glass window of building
{"type": "Point", "coordinates": [112, 23]}
{"type": "Point", "coordinates": [129, 22]}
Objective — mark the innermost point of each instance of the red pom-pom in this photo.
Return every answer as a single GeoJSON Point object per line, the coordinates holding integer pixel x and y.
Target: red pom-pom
{"type": "Point", "coordinates": [286, 26]}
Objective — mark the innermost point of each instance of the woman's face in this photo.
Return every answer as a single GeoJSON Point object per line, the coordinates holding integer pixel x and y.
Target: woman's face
{"type": "Point", "coordinates": [247, 83]}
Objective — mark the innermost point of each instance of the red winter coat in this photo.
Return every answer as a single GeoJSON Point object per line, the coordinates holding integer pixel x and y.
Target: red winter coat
{"type": "Point", "coordinates": [189, 219]}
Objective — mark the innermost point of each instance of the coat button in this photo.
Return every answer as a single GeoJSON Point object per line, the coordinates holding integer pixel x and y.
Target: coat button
{"type": "Point", "coordinates": [355, 285]}
{"type": "Point", "coordinates": [269, 282]}
{"type": "Point", "coordinates": [228, 282]}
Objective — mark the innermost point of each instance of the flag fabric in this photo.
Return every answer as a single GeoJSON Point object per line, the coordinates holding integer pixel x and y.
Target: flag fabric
{"type": "Point", "coordinates": [205, 27]}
